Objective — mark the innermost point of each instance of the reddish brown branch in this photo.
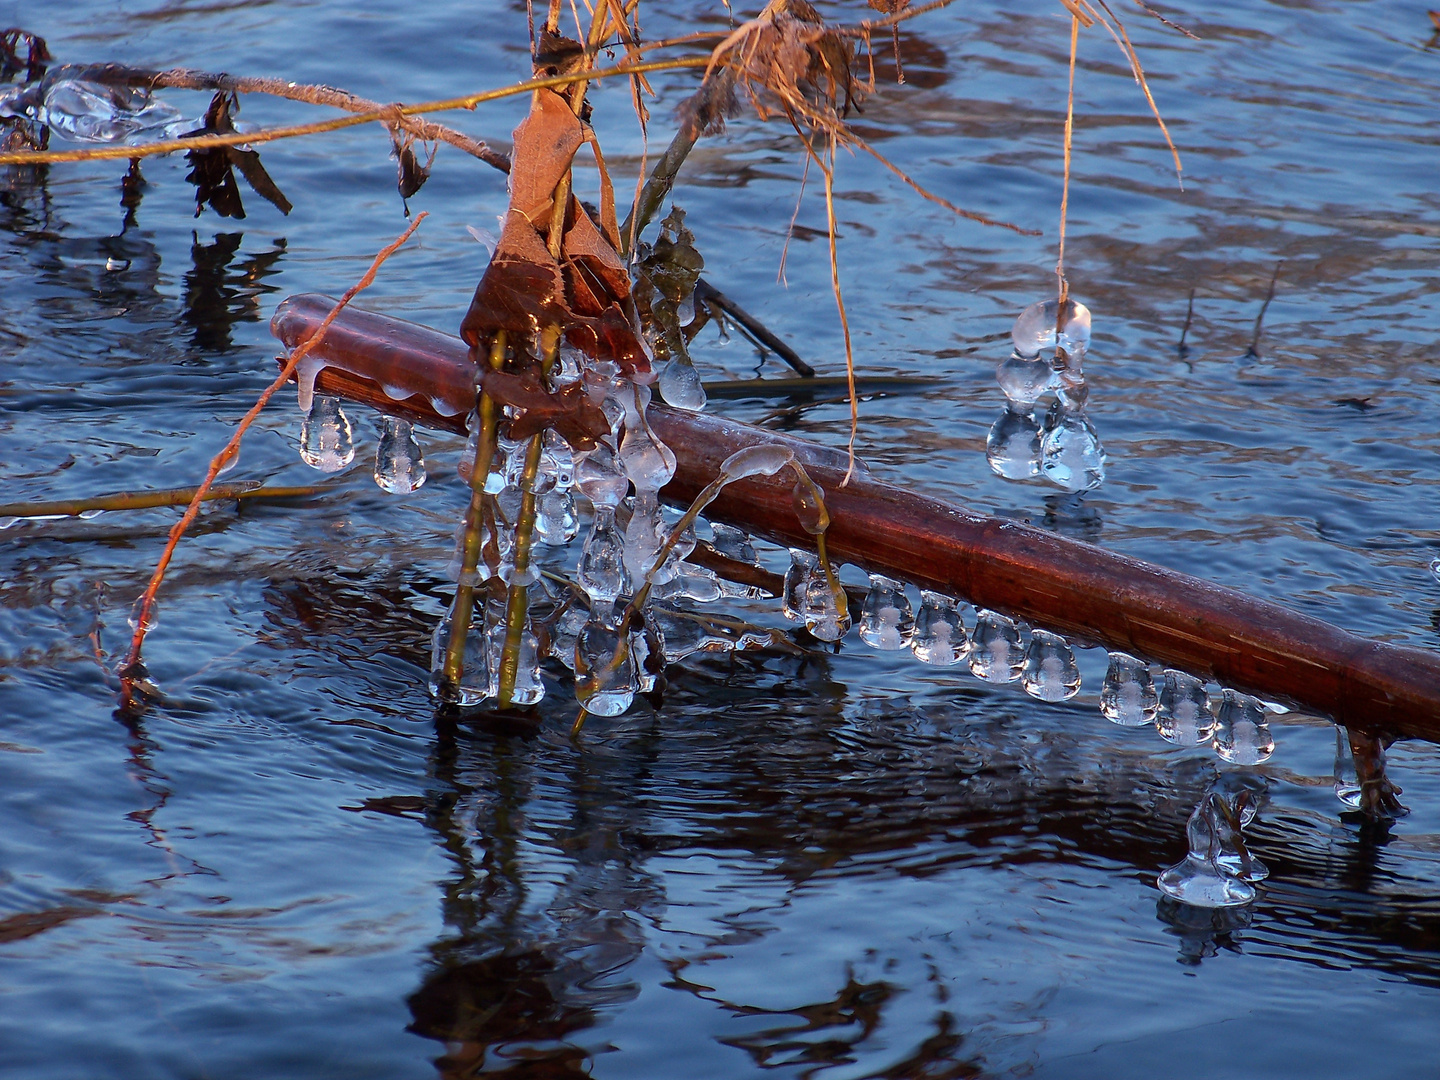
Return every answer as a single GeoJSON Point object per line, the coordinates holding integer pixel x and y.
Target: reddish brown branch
{"type": "Point", "coordinates": [1092, 595]}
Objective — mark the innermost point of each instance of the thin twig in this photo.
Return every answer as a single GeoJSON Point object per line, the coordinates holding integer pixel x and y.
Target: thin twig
{"type": "Point", "coordinates": [1253, 352]}
{"type": "Point", "coordinates": [131, 668]}
{"type": "Point", "coordinates": [1063, 285]}
{"type": "Point", "coordinates": [145, 500]}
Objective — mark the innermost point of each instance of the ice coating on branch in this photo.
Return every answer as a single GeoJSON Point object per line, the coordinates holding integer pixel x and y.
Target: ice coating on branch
{"type": "Point", "coordinates": [326, 440]}
{"type": "Point", "coordinates": [825, 617]}
{"type": "Point", "coordinates": [1128, 696]}
{"type": "Point", "coordinates": [95, 112]}
{"type": "Point", "coordinates": [644, 535]}
{"type": "Point", "coordinates": [887, 621]}
{"type": "Point", "coordinates": [1199, 879]}
{"type": "Point", "coordinates": [1184, 717]}
{"type": "Point", "coordinates": [648, 462]}
{"type": "Point", "coordinates": [765, 459]}
{"type": "Point", "coordinates": [399, 464]}
{"type": "Point", "coordinates": [1242, 730]}
{"type": "Point", "coordinates": [996, 654]}
{"type": "Point", "coordinates": [529, 687]}
{"type": "Point", "coordinates": [939, 637]}
{"type": "Point", "coordinates": [735, 544]}
{"type": "Point", "coordinates": [1050, 672]}
{"type": "Point", "coordinates": [1034, 330]}
{"type": "Point", "coordinates": [474, 685]}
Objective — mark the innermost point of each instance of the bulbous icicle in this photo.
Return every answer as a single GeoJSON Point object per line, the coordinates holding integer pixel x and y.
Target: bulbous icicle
{"type": "Point", "coordinates": [1050, 672]}
{"type": "Point", "coordinates": [475, 681]}
{"type": "Point", "coordinates": [529, 686]}
{"type": "Point", "coordinates": [1025, 379]}
{"type": "Point", "coordinates": [939, 637]}
{"type": "Point", "coordinates": [599, 476]}
{"type": "Point", "coordinates": [679, 384]}
{"type": "Point", "coordinates": [643, 537]}
{"type": "Point", "coordinates": [797, 574]}
{"type": "Point", "coordinates": [1128, 696]}
{"type": "Point", "coordinates": [602, 572]}
{"type": "Point", "coordinates": [326, 440]}
{"type": "Point", "coordinates": [823, 616]}
{"type": "Point", "coordinates": [555, 521]}
{"type": "Point", "coordinates": [1071, 455]}
{"type": "Point", "coordinates": [604, 683]}
{"type": "Point", "coordinates": [648, 462]}
{"type": "Point", "coordinates": [1185, 717]}
{"type": "Point", "coordinates": [887, 621]}
{"type": "Point", "coordinates": [996, 654]}
{"type": "Point", "coordinates": [399, 463]}
{"type": "Point", "coordinates": [1242, 730]}
{"type": "Point", "coordinates": [1012, 448]}
{"type": "Point", "coordinates": [1199, 879]}
{"type": "Point", "coordinates": [765, 459]}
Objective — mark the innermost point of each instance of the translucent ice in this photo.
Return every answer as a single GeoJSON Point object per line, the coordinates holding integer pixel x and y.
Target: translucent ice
{"type": "Point", "coordinates": [1184, 717]}
{"type": "Point", "coordinates": [648, 462]}
{"type": "Point", "coordinates": [599, 476]}
{"type": "Point", "coordinates": [939, 636]}
{"type": "Point", "coordinates": [887, 621]}
{"type": "Point", "coordinates": [996, 654]}
{"type": "Point", "coordinates": [1199, 879]}
{"type": "Point", "coordinates": [1025, 379]}
{"type": "Point", "coordinates": [1034, 330]}
{"type": "Point", "coordinates": [399, 464]}
{"type": "Point", "coordinates": [643, 537]}
{"type": "Point", "coordinates": [95, 112]}
{"type": "Point", "coordinates": [1347, 779]}
{"type": "Point", "coordinates": [792, 597]}
{"type": "Point", "coordinates": [1071, 455]}
{"type": "Point", "coordinates": [326, 440]}
{"type": "Point", "coordinates": [474, 684]}
{"type": "Point", "coordinates": [1242, 730]}
{"type": "Point", "coordinates": [558, 460]}
{"type": "Point", "coordinates": [734, 544]}
{"type": "Point", "coordinates": [1013, 446]}
{"type": "Point", "coordinates": [679, 384]}
{"type": "Point", "coordinates": [602, 563]}
{"type": "Point", "coordinates": [529, 687]}
{"type": "Point", "coordinates": [766, 459]}
{"type": "Point", "coordinates": [825, 616]}
{"type": "Point", "coordinates": [1128, 696]}
{"type": "Point", "coordinates": [1049, 672]}
{"type": "Point", "coordinates": [555, 521]}
{"type": "Point", "coordinates": [605, 679]}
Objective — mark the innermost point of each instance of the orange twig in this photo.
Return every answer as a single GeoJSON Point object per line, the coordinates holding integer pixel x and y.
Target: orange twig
{"type": "Point", "coordinates": [131, 670]}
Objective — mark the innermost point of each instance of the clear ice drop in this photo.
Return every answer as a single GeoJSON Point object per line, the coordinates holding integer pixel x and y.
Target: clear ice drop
{"type": "Point", "coordinates": [679, 384]}
{"type": "Point", "coordinates": [1034, 330]}
{"type": "Point", "coordinates": [555, 521]}
{"type": "Point", "coordinates": [1012, 447]}
{"type": "Point", "coordinates": [399, 464]}
{"type": "Point", "coordinates": [529, 687]}
{"type": "Point", "coordinates": [1242, 730]}
{"type": "Point", "coordinates": [475, 680]}
{"type": "Point", "coordinates": [996, 654]}
{"type": "Point", "coordinates": [599, 476]}
{"type": "Point", "coordinates": [1050, 672]}
{"type": "Point", "coordinates": [1184, 717]}
{"type": "Point", "coordinates": [605, 680]}
{"type": "Point", "coordinates": [887, 621]}
{"type": "Point", "coordinates": [939, 637]}
{"type": "Point", "coordinates": [326, 440]}
{"type": "Point", "coordinates": [1071, 455]}
{"type": "Point", "coordinates": [765, 459]}
{"type": "Point", "coordinates": [1128, 697]}
{"type": "Point", "coordinates": [1025, 379]}
{"type": "Point", "coordinates": [823, 616]}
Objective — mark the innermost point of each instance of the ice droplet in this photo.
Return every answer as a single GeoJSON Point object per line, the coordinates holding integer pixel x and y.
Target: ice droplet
{"type": "Point", "coordinates": [766, 459]}
{"type": "Point", "coordinates": [605, 680]}
{"type": "Point", "coordinates": [886, 621]}
{"type": "Point", "coordinates": [1012, 447]}
{"type": "Point", "coordinates": [679, 384]}
{"type": "Point", "coordinates": [648, 462]}
{"type": "Point", "coordinates": [995, 652]}
{"type": "Point", "coordinates": [326, 440]}
{"type": "Point", "coordinates": [1184, 717]}
{"type": "Point", "coordinates": [1050, 672]}
{"type": "Point", "coordinates": [1025, 379]}
{"type": "Point", "coordinates": [1128, 696]}
{"type": "Point", "coordinates": [150, 616]}
{"type": "Point", "coordinates": [1034, 330]}
{"type": "Point", "coordinates": [1071, 455]}
{"type": "Point", "coordinates": [399, 464]}
{"type": "Point", "coordinates": [939, 637]}
{"type": "Point", "coordinates": [599, 477]}
{"type": "Point", "coordinates": [823, 615]}
{"type": "Point", "coordinates": [734, 544]}
{"type": "Point", "coordinates": [1242, 730]}
{"type": "Point", "coordinates": [474, 685]}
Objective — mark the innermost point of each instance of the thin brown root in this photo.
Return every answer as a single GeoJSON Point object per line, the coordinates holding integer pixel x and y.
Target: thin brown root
{"type": "Point", "coordinates": [147, 599]}
{"type": "Point", "coordinates": [1122, 39]}
{"type": "Point", "coordinates": [1063, 286]}
{"type": "Point", "coordinates": [827, 167]}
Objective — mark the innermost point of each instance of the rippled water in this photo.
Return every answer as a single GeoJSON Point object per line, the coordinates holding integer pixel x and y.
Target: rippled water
{"type": "Point", "coordinates": [840, 866]}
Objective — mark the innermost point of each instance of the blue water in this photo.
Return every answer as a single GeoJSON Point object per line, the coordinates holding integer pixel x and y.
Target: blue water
{"type": "Point", "coordinates": [839, 866]}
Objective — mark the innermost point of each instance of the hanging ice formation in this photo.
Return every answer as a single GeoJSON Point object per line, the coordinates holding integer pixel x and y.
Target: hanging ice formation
{"type": "Point", "coordinates": [1061, 444]}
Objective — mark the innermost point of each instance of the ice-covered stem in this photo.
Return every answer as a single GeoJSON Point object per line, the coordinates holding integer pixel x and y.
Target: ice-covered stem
{"type": "Point", "coordinates": [1379, 795]}
{"type": "Point", "coordinates": [517, 603]}
{"type": "Point", "coordinates": [474, 518]}
{"type": "Point", "coordinates": [808, 499]}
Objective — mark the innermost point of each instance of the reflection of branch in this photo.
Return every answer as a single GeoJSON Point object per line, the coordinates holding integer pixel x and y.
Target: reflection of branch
{"type": "Point", "coordinates": [186, 79]}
